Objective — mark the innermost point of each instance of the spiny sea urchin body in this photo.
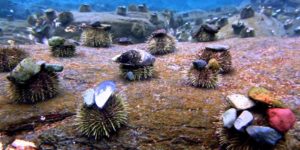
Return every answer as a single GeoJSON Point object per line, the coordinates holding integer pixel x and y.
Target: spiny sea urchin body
{"type": "Point", "coordinates": [10, 57]}
{"type": "Point", "coordinates": [204, 75]}
{"type": "Point", "coordinates": [98, 123]}
{"type": "Point", "coordinates": [40, 87]}
{"type": "Point", "coordinates": [231, 139]}
{"type": "Point", "coordinates": [138, 72]}
{"type": "Point", "coordinates": [206, 33]}
{"type": "Point", "coordinates": [61, 47]}
{"type": "Point", "coordinates": [223, 57]}
{"type": "Point", "coordinates": [161, 43]}
{"type": "Point", "coordinates": [96, 37]}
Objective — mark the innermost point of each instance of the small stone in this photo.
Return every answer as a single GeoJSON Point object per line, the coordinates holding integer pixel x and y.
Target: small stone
{"type": "Point", "coordinates": [103, 92]}
{"type": "Point", "coordinates": [130, 76]}
{"type": "Point", "coordinates": [21, 144]}
{"type": "Point", "coordinates": [217, 47]}
{"type": "Point", "coordinates": [199, 64]}
{"type": "Point", "coordinates": [56, 41]}
{"type": "Point", "coordinates": [281, 119]}
{"type": "Point", "coordinates": [54, 67]}
{"type": "Point", "coordinates": [238, 27]}
{"type": "Point", "coordinates": [297, 30]}
{"type": "Point", "coordinates": [210, 28]}
{"type": "Point", "coordinates": [89, 97]}
{"type": "Point", "coordinates": [265, 135]}
{"type": "Point", "coordinates": [239, 101]}
{"type": "Point", "coordinates": [244, 120]}
{"type": "Point", "coordinates": [146, 58]}
{"type": "Point", "coordinates": [229, 117]}
{"type": "Point", "coordinates": [247, 32]}
{"type": "Point", "coordinates": [24, 71]}
{"type": "Point", "coordinates": [262, 95]}
{"type": "Point", "coordinates": [96, 24]}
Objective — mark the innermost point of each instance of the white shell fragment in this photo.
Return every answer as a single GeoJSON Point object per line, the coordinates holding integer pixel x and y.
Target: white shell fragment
{"type": "Point", "coordinates": [103, 92]}
{"type": "Point", "coordinates": [89, 97]}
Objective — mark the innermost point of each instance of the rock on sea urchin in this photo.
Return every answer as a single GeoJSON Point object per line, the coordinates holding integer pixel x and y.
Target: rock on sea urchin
{"type": "Point", "coordinates": [203, 74]}
{"type": "Point", "coordinates": [10, 57]}
{"type": "Point", "coordinates": [102, 113]}
{"type": "Point", "coordinates": [32, 82]}
{"type": "Point", "coordinates": [206, 33]}
{"type": "Point", "coordinates": [61, 47]}
{"type": "Point", "coordinates": [221, 53]}
{"type": "Point", "coordinates": [136, 65]}
{"type": "Point", "coordinates": [160, 42]}
{"type": "Point", "coordinates": [97, 35]}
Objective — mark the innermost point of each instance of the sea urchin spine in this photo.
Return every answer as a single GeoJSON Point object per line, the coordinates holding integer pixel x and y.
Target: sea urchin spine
{"type": "Point", "coordinates": [97, 36]}
{"type": "Point", "coordinates": [10, 57]}
{"type": "Point", "coordinates": [161, 43]}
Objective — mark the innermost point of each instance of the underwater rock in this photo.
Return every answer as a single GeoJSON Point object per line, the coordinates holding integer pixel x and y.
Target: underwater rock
{"type": "Point", "coordinates": [121, 10]}
{"type": "Point", "coordinates": [222, 22]}
{"type": "Point", "coordinates": [21, 144]}
{"type": "Point", "coordinates": [132, 7]}
{"type": "Point", "coordinates": [10, 57]}
{"type": "Point", "coordinates": [130, 76]}
{"type": "Point", "coordinates": [238, 26]}
{"type": "Point", "coordinates": [85, 8]}
{"type": "Point", "coordinates": [206, 33]}
{"type": "Point", "coordinates": [247, 12]}
{"type": "Point", "coordinates": [103, 92]}
{"type": "Point", "coordinates": [268, 11]}
{"type": "Point", "coordinates": [205, 78]}
{"type": "Point", "coordinates": [244, 120]}
{"type": "Point", "coordinates": [240, 102]}
{"type": "Point", "coordinates": [288, 24]}
{"type": "Point", "coordinates": [247, 32]}
{"type": "Point", "coordinates": [143, 8]}
{"type": "Point", "coordinates": [54, 67]}
{"type": "Point", "coordinates": [281, 119]}
{"type": "Point", "coordinates": [217, 48]}
{"type": "Point", "coordinates": [65, 18]}
{"type": "Point", "coordinates": [160, 43]}
{"type": "Point", "coordinates": [199, 64]}
{"type": "Point", "coordinates": [124, 41]}
{"type": "Point", "coordinates": [24, 71]}
{"type": "Point", "coordinates": [265, 135]}
{"type": "Point", "coordinates": [263, 95]}
{"type": "Point", "coordinates": [297, 30]}
{"type": "Point", "coordinates": [50, 15]}
{"type": "Point", "coordinates": [89, 97]}
{"type": "Point", "coordinates": [229, 117]}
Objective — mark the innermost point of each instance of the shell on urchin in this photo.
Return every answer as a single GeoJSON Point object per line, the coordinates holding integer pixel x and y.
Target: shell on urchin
{"type": "Point", "coordinates": [10, 57]}
{"type": "Point", "coordinates": [205, 78]}
{"type": "Point", "coordinates": [139, 72]}
{"type": "Point", "coordinates": [231, 139]}
{"type": "Point", "coordinates": [99, 123]}
{"type": "Point", "coordinates": [223, 58]}
{"type": "Point", "coordinates": [63, 51]}
{"type": "Point", "coordinates": [96, 37]}
{"type": "Point", "coordinates": [161, 45]}
{"type": "Point", "coordinates": [40, 87]}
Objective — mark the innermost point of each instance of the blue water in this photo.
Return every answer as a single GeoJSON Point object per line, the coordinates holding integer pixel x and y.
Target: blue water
{"type": "Point", "coordinates": [25, 7]}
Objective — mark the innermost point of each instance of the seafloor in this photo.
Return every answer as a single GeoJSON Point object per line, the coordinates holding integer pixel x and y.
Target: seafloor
{"type": "Point", "coordinates": [165, 112]}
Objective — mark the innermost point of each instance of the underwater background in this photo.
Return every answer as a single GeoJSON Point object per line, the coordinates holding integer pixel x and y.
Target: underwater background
{"type": "Point", "coordinates": [150, 74]}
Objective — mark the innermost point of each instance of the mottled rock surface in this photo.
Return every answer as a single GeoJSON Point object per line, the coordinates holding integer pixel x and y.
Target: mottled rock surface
{"type": "Point", "coordinates": [165, 113]}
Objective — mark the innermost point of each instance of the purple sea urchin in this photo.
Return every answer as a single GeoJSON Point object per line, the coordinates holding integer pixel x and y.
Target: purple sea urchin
{"type": "Point", "coordinates": [10, 57]}
{"type": "Point", "coordinates": [205, 76]}
{"type": "Point", "coordinates": [161, 43]}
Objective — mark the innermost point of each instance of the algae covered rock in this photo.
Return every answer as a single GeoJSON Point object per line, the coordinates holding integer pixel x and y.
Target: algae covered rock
{"type": "Point", "coordinates": [264, 96]}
